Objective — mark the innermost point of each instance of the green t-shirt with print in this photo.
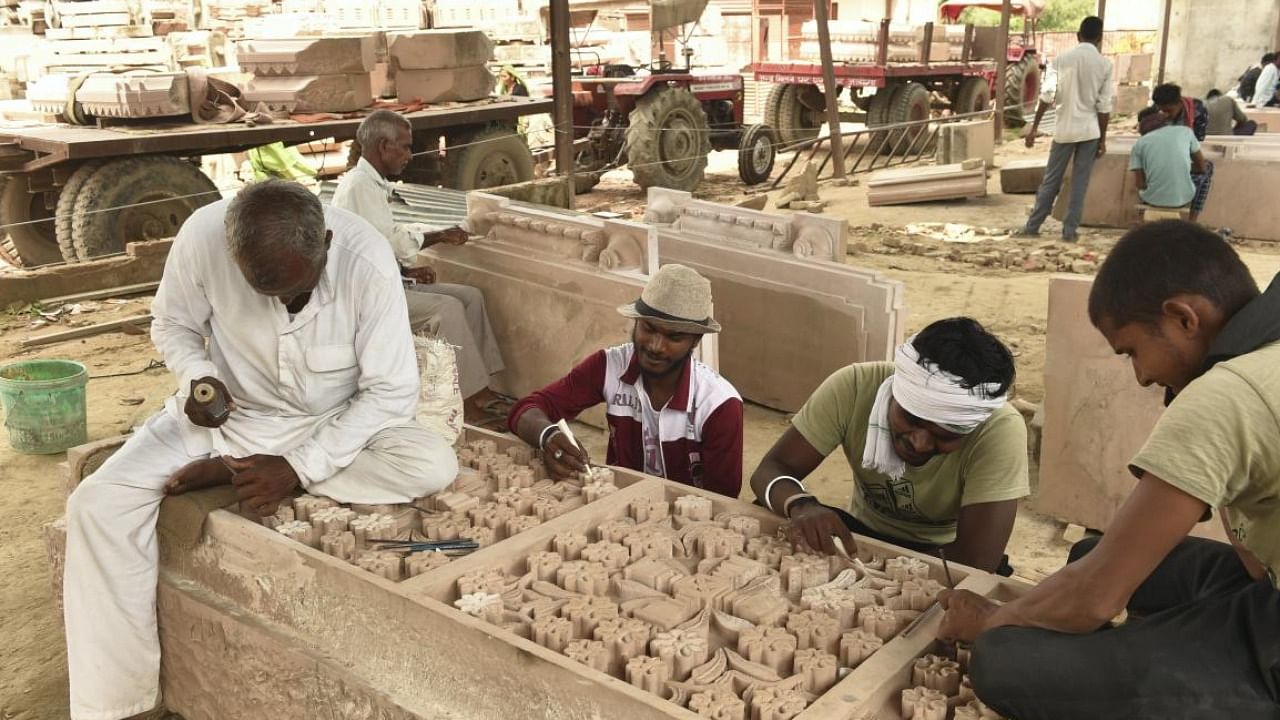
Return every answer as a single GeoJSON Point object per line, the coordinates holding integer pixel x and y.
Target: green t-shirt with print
{"type": "Point", "coordinates": [923, 506]}
{"type": "Point", "coordinates": [1219, 442]}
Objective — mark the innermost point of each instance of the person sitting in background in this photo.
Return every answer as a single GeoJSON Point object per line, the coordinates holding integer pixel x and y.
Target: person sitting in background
{"type": "Point", "coordinates": [1164, 162]}
{"type": "Point", "coordinates": [1226, 117]}
{"type": "Point", "coordinates": [511, 83]}
{"type": "Point", "coordinates": [1181, 110]}
{"type": "Point", "coordinates": [668, 414]}
{"type": "Point", "coordinates": [1248, 82]}
{"type": "Point", "coordinates": [938, 458]}
{"type": "Point", "coordinates": [1264, 94]}
{"type": "Point", "coordinates": [453, 312]}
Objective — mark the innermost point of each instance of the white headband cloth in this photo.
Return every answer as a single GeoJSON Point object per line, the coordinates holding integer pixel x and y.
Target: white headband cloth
{"type": "Point", "coordinates": [933, 394]}
{"type": "Point", "coordinates": [929, 393]}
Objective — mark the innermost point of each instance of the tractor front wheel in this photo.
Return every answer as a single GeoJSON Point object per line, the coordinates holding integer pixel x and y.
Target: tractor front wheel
{"type": "Point", "coordinates": [756, 154]}
{"type": "Point", "coordinates": [668, 140]}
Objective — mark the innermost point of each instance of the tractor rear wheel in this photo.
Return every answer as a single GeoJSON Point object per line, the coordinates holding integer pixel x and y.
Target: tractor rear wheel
{"type": "Point", "coordinates": [795, 112]}
{"type": "Point", "coordinates": [139, 198]}
{"type": "Point", "coordinates": [31, 236]}
{"type": "Point", "coordinates": [756, 153]}
{"type": "Point", "coordinates": [668, 140]}
{"type": "Point", "coordinates": [973, 95]}
{"type": "Point", "coordinates": [1021, 90]}
{"type": "Point", "coordinates": [491, 157]}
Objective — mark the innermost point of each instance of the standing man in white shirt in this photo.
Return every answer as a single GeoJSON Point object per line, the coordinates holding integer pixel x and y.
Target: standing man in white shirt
{"type": "Point", "coordinates": [295, 316]}
{"type": "Point", "coordinates": [453, 312]}
{"type": "Point", "coordinates": [1078, 84]}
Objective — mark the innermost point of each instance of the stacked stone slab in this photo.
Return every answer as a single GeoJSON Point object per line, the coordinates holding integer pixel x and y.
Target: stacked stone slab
{"type": "Point", "coordinates": [1133, 83]}
{"type": "Point", "coordinates": [134, 94]}
{"type": "Point", "coordinates": [301, 75]}
{"type": "Point", "coordinates": [441, 65]}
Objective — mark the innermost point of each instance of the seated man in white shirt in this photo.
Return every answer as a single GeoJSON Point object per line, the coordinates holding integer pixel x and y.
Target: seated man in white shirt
{"type": "Point", "coordinates": [295, 317]}
{"type": "Point", "coordinates": [453, 312]}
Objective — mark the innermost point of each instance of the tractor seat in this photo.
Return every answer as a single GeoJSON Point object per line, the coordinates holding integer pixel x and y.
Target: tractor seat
{"type": "Point", "coordinates": [619, 71]}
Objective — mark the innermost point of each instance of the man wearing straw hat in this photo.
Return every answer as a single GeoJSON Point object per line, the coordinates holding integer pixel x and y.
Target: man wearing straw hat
{"type": "Point", "coordinates": [669, 415]}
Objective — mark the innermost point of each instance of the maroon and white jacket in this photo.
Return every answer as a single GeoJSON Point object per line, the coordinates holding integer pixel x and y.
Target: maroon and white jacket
{"type": "Point", "coordinates": [699, 431]}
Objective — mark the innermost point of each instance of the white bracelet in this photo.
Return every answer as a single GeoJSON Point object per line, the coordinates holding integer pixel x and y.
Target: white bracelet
{"type": "Point", "coordinates": [543, 436]}
{"type": "Point", "coordinates": [769, 488]}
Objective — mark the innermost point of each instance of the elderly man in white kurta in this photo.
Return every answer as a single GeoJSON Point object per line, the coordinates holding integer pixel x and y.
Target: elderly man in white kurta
{"type": "Point", "coordinates": [296, 316]}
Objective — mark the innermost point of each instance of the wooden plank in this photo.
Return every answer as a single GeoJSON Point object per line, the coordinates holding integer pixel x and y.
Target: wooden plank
{"type": "Point", "coordinates": [116, 292]}
{"type": "Point", "coordinates": [87, 331]}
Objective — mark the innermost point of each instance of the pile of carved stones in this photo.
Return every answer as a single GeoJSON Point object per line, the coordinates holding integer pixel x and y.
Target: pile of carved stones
{"type": "Point", "coordinates": [495, 496]}
{"type": "Point", "coordinates": [706, 612]}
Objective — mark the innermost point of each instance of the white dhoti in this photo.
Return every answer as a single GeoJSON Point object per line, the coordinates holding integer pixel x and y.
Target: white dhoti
{"type": "Point", "coordinates": [457, 314]}
{"type": "Point", "coordinates": [113, 650]}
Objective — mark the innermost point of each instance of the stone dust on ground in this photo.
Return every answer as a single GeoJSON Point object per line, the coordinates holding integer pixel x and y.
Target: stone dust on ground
{"type": "Point", "coordinates": [1001, 281]}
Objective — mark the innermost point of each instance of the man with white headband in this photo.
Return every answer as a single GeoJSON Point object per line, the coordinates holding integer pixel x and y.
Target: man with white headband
{"type": "Point", "coordinates": [939, 458]}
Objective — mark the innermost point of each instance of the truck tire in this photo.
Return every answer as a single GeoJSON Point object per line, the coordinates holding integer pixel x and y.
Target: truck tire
{"type": "Point", "coordinates": [973, 95]}
{"type": "Point", "coordinates": [140, 198]}
{"type": "Point", "coordinates": [488, 158]}
{"type": "Point", "coordinates": [910, 103]}
{"type": "Point", "coordinates": [795, 112]}
{"type": "Point", "coordinates": [756, 153]}
{"type": "Point", "coordinates": [32, 243]}
{"type": "Point", "coordinates": [67, 208]}
{"type": "Point", "coordinates": [668, 140]}
{"type": "Point", "coordinates": [7, 251]}
{"type": "Point", "coordinates": [1021, 90]}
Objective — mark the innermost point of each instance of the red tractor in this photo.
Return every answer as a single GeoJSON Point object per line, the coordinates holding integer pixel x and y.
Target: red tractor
{"type": "Point", "coordinates": [662, 121]}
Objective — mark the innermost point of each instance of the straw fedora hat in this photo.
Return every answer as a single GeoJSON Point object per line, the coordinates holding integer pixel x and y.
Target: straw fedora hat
{"type": "Point", "coordinates": [678, 297]}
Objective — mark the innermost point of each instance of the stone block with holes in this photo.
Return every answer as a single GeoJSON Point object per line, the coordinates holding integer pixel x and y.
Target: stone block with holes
{"type": "Point", "coordinates": [435, 49]}
{"type": "Point", "coordinates": [311, 93]}
{"type": "Point", "coordinates": [444, 85]}
{"type": "Point", "coordinates": [308, 56]}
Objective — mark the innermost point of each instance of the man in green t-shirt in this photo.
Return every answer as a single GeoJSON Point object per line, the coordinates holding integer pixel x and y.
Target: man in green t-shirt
{"type": "Point", "coordinates": [939, 459]}
{"type": "Point", "coordinates": [1202, 636]}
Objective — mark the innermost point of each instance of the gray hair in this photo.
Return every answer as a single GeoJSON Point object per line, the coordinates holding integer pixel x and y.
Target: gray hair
{"type": "Point", "coordinates": [380, 125]}
{"type": "Point", "coordinates": [271, 217]}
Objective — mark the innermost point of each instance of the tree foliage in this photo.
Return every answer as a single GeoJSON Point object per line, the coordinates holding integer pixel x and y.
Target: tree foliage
{"type": "Point", "coordinates": [1059, 15]}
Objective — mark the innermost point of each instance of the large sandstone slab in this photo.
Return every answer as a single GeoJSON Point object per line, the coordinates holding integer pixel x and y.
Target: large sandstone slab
{"type": "Point", "coordinates": [458, 84]}
{"type": "Point", "coordinates": [1129, 99]}
{"type": "Point", "coordinates": [1244, 170]}
{"type": "Point", "coordinates": [1022, 176]}
{"type": "Point", "coordinates": [960, 141]}
{"type": "Point", "coordinates": [308, 56]}
{"type": "Point", "coordinates": [1096, 417]}
{"type": "Point", "coordinates": [1133, 68]}
{"type": "Point", "coordinates": [436, 49]}
{"type": "Point", "coordinates": [311, 93]}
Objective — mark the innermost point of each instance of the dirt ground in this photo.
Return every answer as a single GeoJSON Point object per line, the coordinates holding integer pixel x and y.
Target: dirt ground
{"type": "Point", "coordinates": [1012, 302]}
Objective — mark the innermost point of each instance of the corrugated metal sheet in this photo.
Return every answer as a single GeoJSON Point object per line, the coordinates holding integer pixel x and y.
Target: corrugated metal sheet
{"type": "Point", "coordinates": [435, 207]}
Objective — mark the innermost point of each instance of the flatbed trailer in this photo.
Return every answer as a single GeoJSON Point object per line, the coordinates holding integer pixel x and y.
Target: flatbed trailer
{"type": "Point", "coordinates": [903, 91]}
{"type": "Point", "coordinates": [71, 192]}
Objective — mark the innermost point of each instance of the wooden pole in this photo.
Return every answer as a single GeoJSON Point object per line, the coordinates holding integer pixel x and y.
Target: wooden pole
{"type": "Point", "coordinates": [1102, 11]}
{"type": "Point", "coordinates": [562, 93]}
{"type": "Point", "coordinates": [832, 91]}
{"type": "Point", "coordinates": [1002, 68]}
{"type": "Point", "coordinates": [1164, 40]}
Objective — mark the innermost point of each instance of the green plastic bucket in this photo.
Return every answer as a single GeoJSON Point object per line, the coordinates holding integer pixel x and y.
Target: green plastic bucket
{"type": "Point", "coordinates": [44, 405]}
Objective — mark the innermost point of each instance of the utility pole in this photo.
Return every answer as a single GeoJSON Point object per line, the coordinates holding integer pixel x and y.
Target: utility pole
{"type": "Point", "coordinates": [1164, 40]}
{"type": "Point", "coordinates": [832, 91]}
{"type": "Point", "coordinates": [562, 94]}
{"type": "Point", "coordinates": [1002, 68]}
